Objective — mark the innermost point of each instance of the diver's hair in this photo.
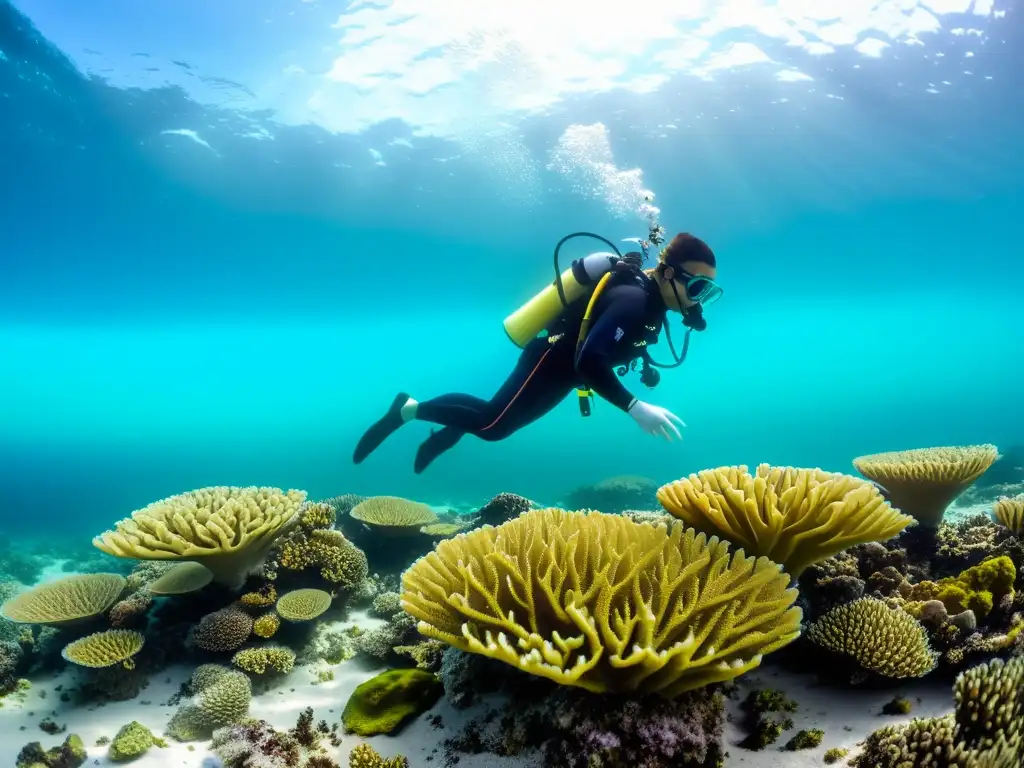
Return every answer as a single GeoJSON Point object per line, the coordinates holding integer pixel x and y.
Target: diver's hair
{"type": "Point", "coordinates": [686, 247]}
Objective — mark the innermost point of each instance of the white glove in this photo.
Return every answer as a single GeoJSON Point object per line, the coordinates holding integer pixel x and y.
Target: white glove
{"type": "Point", "coordinates": [655, 420]}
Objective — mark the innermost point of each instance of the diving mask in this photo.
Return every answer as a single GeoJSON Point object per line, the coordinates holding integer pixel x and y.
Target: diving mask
{"type": "Point", "coordinates": [699, 288]}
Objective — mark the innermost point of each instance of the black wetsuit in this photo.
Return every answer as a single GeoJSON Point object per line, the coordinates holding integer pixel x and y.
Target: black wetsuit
{"type": "Point", "coordinates": [629, 315]}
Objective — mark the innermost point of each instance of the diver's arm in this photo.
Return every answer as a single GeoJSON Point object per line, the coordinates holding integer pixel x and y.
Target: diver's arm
{"type": "Point", "coordinates": [609, 330]}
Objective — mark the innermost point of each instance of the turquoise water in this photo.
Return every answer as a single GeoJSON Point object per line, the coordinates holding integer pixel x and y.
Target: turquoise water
{"type": "Point", "coordinates": [178, 314]}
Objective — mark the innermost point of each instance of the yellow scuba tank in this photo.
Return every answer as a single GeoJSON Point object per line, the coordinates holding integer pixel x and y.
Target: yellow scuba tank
{"type": "Point", "coordinates": [523, 325]}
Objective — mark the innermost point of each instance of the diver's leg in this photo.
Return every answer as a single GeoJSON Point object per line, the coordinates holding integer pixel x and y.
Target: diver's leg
{"type": "Point", "coordinates": [535, 396]}
{"type": "Point", "coordinates": [400, 411]}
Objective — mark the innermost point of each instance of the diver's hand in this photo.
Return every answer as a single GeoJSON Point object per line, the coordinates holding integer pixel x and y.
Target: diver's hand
{"type": "Point", "coordinates": [655, 420]}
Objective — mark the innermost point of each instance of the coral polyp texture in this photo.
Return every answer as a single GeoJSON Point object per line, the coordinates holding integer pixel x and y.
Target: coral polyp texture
{"type": "Point", "coordinates": [259, 660]}
{"type": "Point", "coordinates": [795, 517]}
{"type": "Point", "coordinates": [879, 638]}
{"type": "Point", "coordinates": [393, 515]}
{"type": "Point", "coordinates": [105, 649]}
{"type": "Point", "coordinates": [1009, 512]}
{"type": "Point", "coordinates": [180, 580]}
{"type": "Point", "coordinates": [303, 604]}
{"type": "Point", "coordinates": [223, 630]}
{"type": "Point", "coordinates": [600, 602]}
{"type": "Point", "coordinates": [229, 530]}
{"type": "Point", "coordinates": [66, 600]}
{"type": "Point", "coordinates": [923, 482]}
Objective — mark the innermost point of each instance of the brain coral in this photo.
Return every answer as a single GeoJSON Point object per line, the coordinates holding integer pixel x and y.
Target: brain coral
{"type": "Point", "coordinates": [886, 640]}
{"type": "Point", "coordinates": [228, 530]}
{"type": "Point", "coordinates": [303, 604]}
{"type": "Point", "coordinates": [65, 600]}
{"type": "Point", "coordinates": [603, 603]}
{"type": "Point", "coordinates": [924, 481]}
{"type": "Point", "coordinates": [105, 649]}
{"type": "Point", "coordinates": [223, 630]}
{"type": "Point", "coordinates": [393, 515]}
{"type": "Point", "coordinates": [795, 517]}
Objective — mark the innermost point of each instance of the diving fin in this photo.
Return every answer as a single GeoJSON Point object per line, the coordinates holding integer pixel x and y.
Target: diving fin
{"type": "Point", "coordinates": [381, 430]}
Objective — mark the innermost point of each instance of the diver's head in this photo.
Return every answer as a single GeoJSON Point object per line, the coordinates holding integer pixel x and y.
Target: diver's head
{"type": "Point", "coordinates": [686, 275]}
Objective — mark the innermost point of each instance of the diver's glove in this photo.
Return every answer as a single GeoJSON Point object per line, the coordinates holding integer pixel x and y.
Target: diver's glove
{"type": "Point", "coordinates": [655, 420]}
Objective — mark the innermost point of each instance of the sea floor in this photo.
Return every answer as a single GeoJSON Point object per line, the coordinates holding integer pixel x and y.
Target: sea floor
{"type": "Point", "coordinates": [846, 716]}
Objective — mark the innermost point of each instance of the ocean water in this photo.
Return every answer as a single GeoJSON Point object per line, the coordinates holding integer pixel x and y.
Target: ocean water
{"type": "Point", "coordinates": [229, 235]}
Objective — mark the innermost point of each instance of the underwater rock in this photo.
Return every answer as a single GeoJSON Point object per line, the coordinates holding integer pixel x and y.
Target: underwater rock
{"type": "Point", "coordinates": [70, 754]}
{"type": "Point", "coordinates": [500, 509]}
{"type": "Point", "coordinates": [385, 702]}
{"type": "Point", "coordinates": [614, 495]}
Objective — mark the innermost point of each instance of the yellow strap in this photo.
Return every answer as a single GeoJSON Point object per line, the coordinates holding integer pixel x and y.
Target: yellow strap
{"type": "Point", "coordinates": [585, 325]}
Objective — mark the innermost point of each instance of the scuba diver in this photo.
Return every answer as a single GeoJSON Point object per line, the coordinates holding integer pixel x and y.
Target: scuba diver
{"type": "Point", "coordinates": [599, 315]}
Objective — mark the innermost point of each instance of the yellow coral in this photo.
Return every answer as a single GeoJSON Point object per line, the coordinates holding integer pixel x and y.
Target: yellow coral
{"type": "Point", "coordinates": [181, 579]}
{"type": "Point", "coordinates": [603, 603]}
{"type": "Point", "coordinates": [795, 517]}
{"type": "Point", "coordinates": [66, 600]}
{"type": "Point", "coordinates": [365, 756]}
{"type": "Point", "coordinates": [261, 598]}
{"type": "Point", "coordinates": [229, 530]}
{"type": "Point", "coordinates": [923, 482]}
{"type": "Point", "coordinates": [885, 640]}
{"type": "Point", "coordinates": [442, 530]}
{"type": "Point", "coordinates": [259, 660]}
{"type": "Point", "coordinates": [1009, 511]}
{"type": "Point", "coordinates": [976, 589]}
{"type": "Point", "coordinates": [303, 604]}
{"type": "Point", "coordinates": [314, 515]}
{"type": "Point", "coordinates": [105, 649]}
{"type": "Point", "coordinates": [338, 559]}
{"type": "Point", "coordinates": [393, 515]}
{"type": "Point", "coordinates": [266, 625]}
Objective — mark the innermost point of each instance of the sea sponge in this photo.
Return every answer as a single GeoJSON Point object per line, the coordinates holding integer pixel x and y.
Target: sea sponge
{"type": "Point", "coordinates": [885, 640]}
{"type": "Point", "coordinates": [393, 515]}
{"type": "Point", "coordinates": [228, 530]}
{"type": "Point", "coordinates": [795, 517]}
{"type": "Point", "coordinates": [223, 630]}
{"type": "Point", "coordinates": [314, 515]}
{"type": "Point", "coordinates": [303, 604]}
{"type": "Point", "coordinates": [181, 579]}
{"type": "Point", "coordinates": [1009, 512]}
{"type": "Point", "coordinates": [132, 740]}
{"type": "Point", "coordinates": [105, 649]}
{"type": "Point", "coordinates": [66, 600]}
{"type": "Point", "coordinates": [977, 589]}
{"type": "Point", "coordinates": [258, 660]}
{"type": "Point", "coordinates": [923, 482]}
{"type": "Point", "coordinates": [266, 625]}
{"type": "Point", "coordinates": [384, 702]}
{"type": "Point", "coordinates": [601, 602]}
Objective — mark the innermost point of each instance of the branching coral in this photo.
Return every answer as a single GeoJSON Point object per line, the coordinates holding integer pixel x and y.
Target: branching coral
{"type": "Point", "coordinates": [386, 604]}
{"type": "Point", "coordinates": [266, 625]}
{"type": "Point", "coordinates": [365, 756]}
{"type": "Point", "coordinates": [259, 660]}
{"type": "Point", "coordinates": [229, 530]}
{"type": "Point", "coordinates": [977, 589]}
{"type": "Point", "coordinates": [600, 602]}
{"type": "Point", "coordinates": [879, 638]}
{"type": "Point", "coordinates": [923, 482]}
{"type": "Point", "coordinates": [794, 517]}
{"type": "Point", "coordinates": [338, 560]}
{"type": "Point", "coordinates": [313, 515]}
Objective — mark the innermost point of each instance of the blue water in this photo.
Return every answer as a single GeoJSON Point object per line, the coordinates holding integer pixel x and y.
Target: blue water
{"type": "Point", "coordinates": [175, 314]}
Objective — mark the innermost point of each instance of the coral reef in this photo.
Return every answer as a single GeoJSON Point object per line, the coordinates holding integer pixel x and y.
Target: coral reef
{"type": "Point", "coordinates": [795, 517]}
{"type": "Point", "coordinates": [500, 509]}
{"type": "Point", "coordinates": [258, 661]}
{"type": "Point", "coordinates": [229, 530]}
{"type": "Point", "coordinates": [365, 756]}
{"type": "Point", "coordinates": [1009, 512]}
{"type": "Point", "coordinates": [384, 702]}
{"type": "Point", "coordinates": [223, 630]}
{"type": "Point", "coordinates": [266, 626]}
{"type": "Point", "coordinates": [603, 603]}
{"type": "Point", "coordinates": [257, 744]}
{"type": "Point", "coordinates": [393, 515]}
{"type": "Point", "coordinates": [614, 495]}
{"type": "Point", "coordinates": [221, 697]}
